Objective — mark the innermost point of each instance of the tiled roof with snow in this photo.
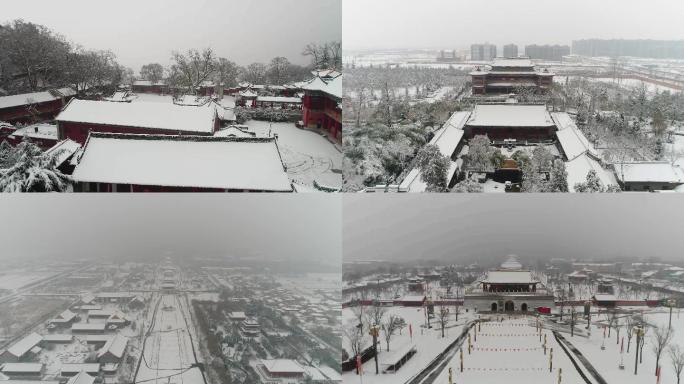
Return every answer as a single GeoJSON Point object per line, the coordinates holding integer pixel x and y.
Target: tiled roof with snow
{"type": "Point", "coordinates": [446, 139]}
{"type": "Point", "coordinates": [579, 167]}
{"type": "Point", "coordinates": [331, 86]}
{"type": "Point", "coordinates": [78, 367]}
{"type": "Point", "coordinates": [88, 326]}
{"type": "Point", "coordinates": [81, 378]}
{"type": "Point", "coordinates": [161, 116]}
{"type": "Point", "coordinates": [509, 277]}
{"type": "Point", "coordinates": [282, 366]}
{"type": "Point", "coordinates": [115, 346]}
{"type": "Point", "coordinates": [510, 115]}
{"type": "Point", "coordinates": [37, 131]}
{"type": "Point", "coordinates": [63, 150]}
{"type": "Point", "coordinates": [35, 97]}
{"type": "Point", "coordinates": [24, 345]}
{"type": "Point", "coordinates": [571, 139]}
{"type": "Point", "coordinates": [233, 131]}
{"type": "Point", "coordinates": [183, 161]}
{"type": "Point", "coordinates": [514, 63]}
{"type": "Point", "coordinates": [22, 367]}
{"type": "Point", "coordinates": [655, 171]}
{"type": "Point", "coordinates": [147, 83]}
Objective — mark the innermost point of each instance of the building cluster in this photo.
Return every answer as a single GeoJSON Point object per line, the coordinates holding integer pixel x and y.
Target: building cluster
{"type": "Point", "coordinates": [488, 52]}
{"type": "Point", "coordinates": [96, 321]}
{"type": "Point", "coordinates": [505, 76]}
{"type": "Point", "coordinates": [183, 143]}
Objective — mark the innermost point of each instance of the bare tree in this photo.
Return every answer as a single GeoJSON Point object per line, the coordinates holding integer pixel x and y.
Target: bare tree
{"type": "Point", "coordinates": [356, 338]}
{"type": "Point", "coordinates": [630, 327]}
{"type": "Point", "coordinates": [154, 72]}
{"type": "Point", "coordinates": [389, 326]}
{"type": "Point", "coordinates": [191, 69]}
{"type": "Point", "coordinates": [255, 73]}
{"type": "Point", "coordinates": [661, 337]}
{"type": "Point", "coordinates": [226, 74]}
{"type": "Point", "coordinates": [359, 315]}
{"type": "Point", "coordinates": [278, 70]}
{"type": "Point", "coordinates": [677, 359]}
{"type": "Point", "coordinates": [443, 317]}
{"type": "Point", "coordinates": [375, 314]}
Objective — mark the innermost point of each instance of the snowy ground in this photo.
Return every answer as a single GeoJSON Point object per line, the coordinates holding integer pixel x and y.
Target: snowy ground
{"type": "Point", "coordinates": [607, 361]}
{"type": "Point", "coordinates": [509, 351]}
{"type": "Point", "coordinates": [308, 155]}
{"type": "Point", "coordinates": [168, 349]}
{"type": "Point", "coordinates": [428, 342]}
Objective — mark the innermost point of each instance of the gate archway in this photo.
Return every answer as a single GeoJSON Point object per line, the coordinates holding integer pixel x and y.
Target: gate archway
{"type": "Point", "coordinates": [509, 306]}
{"type": "Point", "coordinates": [523, 307]}
{"type": "Point", "coordinates": [494, 307]}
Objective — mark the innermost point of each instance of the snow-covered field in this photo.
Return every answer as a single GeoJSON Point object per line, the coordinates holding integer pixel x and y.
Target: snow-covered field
{"type": "Point", "coordinates": [509, 351]}
{"type": "Point", "coordinates": [607, 361]}
{"type": "Point", "coordinates": [168, 349]}
{"type": "Point", "coordinates": [17, 279]}
{"type": "Point", "coordinates": [428, 342]}
{"type": "Point", "coordinates": [307, 155]}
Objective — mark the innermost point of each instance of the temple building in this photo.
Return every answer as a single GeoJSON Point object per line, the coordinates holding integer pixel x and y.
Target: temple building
{"type": "Point", "coordinates": [511, 121]}
{"type": "Point", "coordinates": [510, 288]}
{"type": "Point", "coordinates": [510, 76]}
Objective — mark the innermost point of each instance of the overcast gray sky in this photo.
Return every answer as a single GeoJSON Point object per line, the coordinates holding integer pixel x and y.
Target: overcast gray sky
{"type": "Point", "coordinates": [298, 228]}
{"type": "Point", "coordinates": [452, 227]}
{"type": "Point", "coordinates": [454, 24]}
{"type": "Point", "coordinates": [144, 31]}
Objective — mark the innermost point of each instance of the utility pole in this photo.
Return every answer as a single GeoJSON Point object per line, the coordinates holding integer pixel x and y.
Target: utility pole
{"type": "Point", "coordinates": [636, 355]}
{"type": "Point", "coordinates": [375, 331]}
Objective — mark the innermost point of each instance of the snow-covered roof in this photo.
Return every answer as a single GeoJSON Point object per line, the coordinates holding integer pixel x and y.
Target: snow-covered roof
{"type": "Point", "coordinates": [183, 161]}
{"type": "Point", "coordinates": [510, 115]}
{"type": "Point", "coordinates": [237, 315]}
{"type": "Point", "coordinates": [35, 97]}
{"type": "Point", "coordinates": [279, 99]}
{"type": "Point", "coordinates": [446, 139]}
{"type": "Point", "coordinates": [247, 93]}
{"type": "Point", "coordinates": [121, 97]}
{"type": "Point", "coordinates": [81, 378]}
{"type": "Point", "coordinates": [413, 298]}
{"type": "Point", "coordinates": [331, 86]}
{"type": "Point", "coordinates": [88, 326]}
{"type": "Point", "coordinates": [56, 337]}
{"type": "Point", "coordinates": [233, 131]}
{"type": "Point", "coordinates": [63, 150]}
{"type": "Point", "coordinates": [509, 277]}
{"type": "Point", "coordinates": [100, 312]}
{"type": "Point", "coordinates": [22, 367]}
{"type": "Point", "coordinates": [282, 366]}
{"type": "Point", "coordinates": [78, 367]}
{"type": "Point", "coordinates": [24, 345]}
{"type": "Point", "coordinates": [655, 171]}
{"type": "Point", "coordinates": [37, 131]}
{"type": "Point", "coordinates": [65, 316]}
{"type": "Point", "coordinates": [512, 62]}
{"type": "Point", "coordinates": [161, 116]}
{"type": "Point", "coordinates": [115, 346]}
{"type": "Point", "coordinates": [571, 139]}
{"type": "Point", "coordinates": [579, 167]}
{"type": "Point", "coordinates": [192, 100]}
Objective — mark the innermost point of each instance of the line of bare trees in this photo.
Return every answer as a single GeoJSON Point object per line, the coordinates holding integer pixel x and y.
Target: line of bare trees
{"type": "Point", "coordinates": [33, 58]}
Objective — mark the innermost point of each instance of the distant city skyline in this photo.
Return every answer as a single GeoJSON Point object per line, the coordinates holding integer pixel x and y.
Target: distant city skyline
{"type": "Point", "coordinates": [142, 32]}
{"type": "Point", "coordinates": [443, 24]}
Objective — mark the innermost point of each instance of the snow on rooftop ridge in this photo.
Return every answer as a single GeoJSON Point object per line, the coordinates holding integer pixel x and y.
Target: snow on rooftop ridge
{"type": "Point", "coordinates": [183, 161]}
{"type": "Point", "coordinates": [116, 346]}
{"type": "Point", "coordinates": [35, 97]}
{"type": "Point", "coordinates": [81, 378]}
{"type": "Point", "coordinates": [283, 365]}
{"type": "Point", "coordinates": [163, 116]}
{"type": "Point", "coordinates": [37, 131]}
{"type": "Point", "coordinates": [649, 171]}
{"type": "Point", "coordinates": [447, 140]}
{"type": "Point", "coordinates": [24, 345]}
{"type": "Point", "coordinates": [63, 150]}
{"type": "Point", "coordinates": [510, 115]}
{"type": "Point", "coordinates": [509, 277]}
{"type": "Point", "coordinates": [22, 367]}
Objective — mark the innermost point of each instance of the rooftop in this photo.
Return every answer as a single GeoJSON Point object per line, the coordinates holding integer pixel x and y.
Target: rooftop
{"type": "Point", "coordinates": [22, 367]}
{"type": "Point", "coordinates": [35, 97]}
{"type": "Point", "coordinates": [655, 171]}
{"type": "Point", "coordinates": [509, 277]}
{"type": "Point", "coordinates": [163, 116]}
{"type": "Point", "coordinates": [183, 161]}
{"type": "Point", "coordinates": [24, 345]}
{"type": "Point", "coordinates": [510, 115]}
{"type": "Point", "coordinates": [282, 366]}
{"type": "Point", "coordinates": [37, 131]}
{"type": "Point", "coordinates": [115, 346]}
